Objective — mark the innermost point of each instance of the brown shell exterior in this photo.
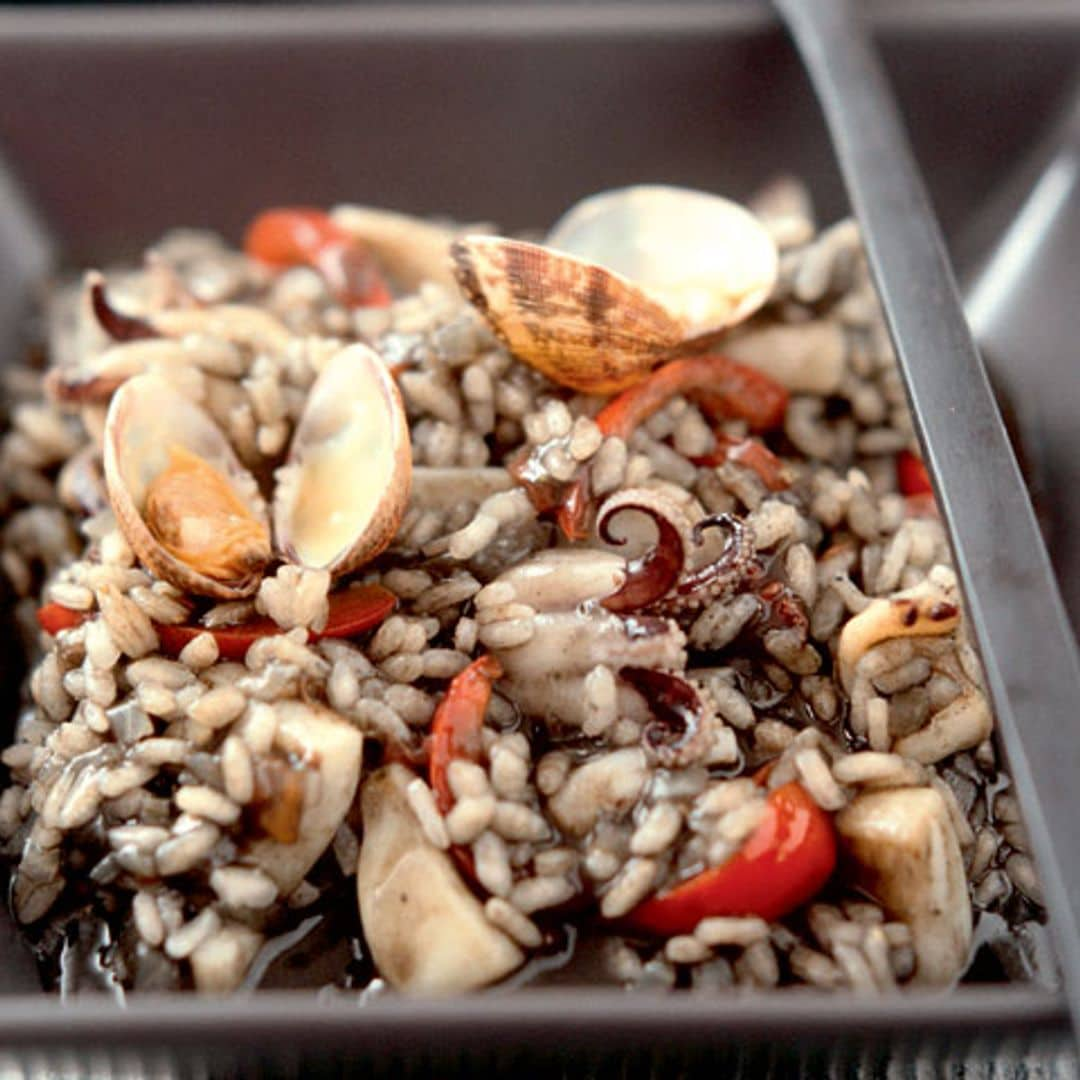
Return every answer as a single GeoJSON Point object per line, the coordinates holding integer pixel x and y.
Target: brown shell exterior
{"type": "Point", "coordinates": [137, 533]}
{"type": "Point", "coordinates": [581, 325]}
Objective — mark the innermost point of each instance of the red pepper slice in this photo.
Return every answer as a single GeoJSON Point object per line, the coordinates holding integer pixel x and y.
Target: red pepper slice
{"type": "Point", "coordinates": [723, 388]}
{"type": "Point", "coordinates": [52, 618]}
{"type": "Point", "coordinates": [753, 454]}
{"type": "Point", "coordinates": [301, 235]}
{"type": "Point", "coordinates": [786, 860]}
{"type": "Point", "coordinates": [911, 475]}
{"type": "Point", "coordinates": [352, 611]}
{"type": "Point", "coordinates": [458, 721]}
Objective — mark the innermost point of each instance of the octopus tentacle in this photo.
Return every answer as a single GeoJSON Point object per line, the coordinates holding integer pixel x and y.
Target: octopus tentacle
{"type": "Point", "coordinates": [651, 576]}
{"type": "Point", "coordinates": [678, 732]}
{"type": "Point", "coordinates": [738, 569]}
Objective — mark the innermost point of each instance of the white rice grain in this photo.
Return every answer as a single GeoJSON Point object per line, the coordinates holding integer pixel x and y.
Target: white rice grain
{"type": "Point", "coordinates": [237, 769]}
{"type": "Point", "coordinates": [720, 930]}
{"type": "Point", "coordinates": [539, 893]}
{"type": "Point", "coordinates": [147, 918]}
{"type": "Point", "coordinates": [491, 861]}
{"type": "Point", "coordinates": [657, 831]}
{"type": "Point", "coordinates": [206, 802]}
{"type": "Point", "coordinates": [469, 817]}
{"type": "Point", "coordinates": [243, 887]}
{"type": "Point", "coordinates": [685, 949]}
{"type": "Point", "coordinates": [200, 652]}
{"type": "Point", "coordinates": [182, 853]}
{"type": "Point", "coordinates": [513, 922]}
{"type": "Point", "coordinates": [818, 780]}
{"type": "Point", "coordinates": [628, 888]}
{"type": "Point", "coordinates": [422, 801]}
{"type": "Point", "coordinates": [218, 708]}
{"type": "Point", "coordinates": [181, 943]}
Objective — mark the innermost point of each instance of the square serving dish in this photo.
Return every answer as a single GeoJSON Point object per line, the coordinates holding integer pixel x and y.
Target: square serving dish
{"type": "Point", "coordinates": [116, 125]}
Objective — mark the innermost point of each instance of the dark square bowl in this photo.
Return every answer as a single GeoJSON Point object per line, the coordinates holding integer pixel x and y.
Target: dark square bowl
{"type": "Point", "coordinates": [117, 124]}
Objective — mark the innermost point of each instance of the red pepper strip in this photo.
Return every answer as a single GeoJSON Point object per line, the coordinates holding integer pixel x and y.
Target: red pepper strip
{"type": "Point", "coordinates": [293, 236]}
{"type": "Point", "coordinates": [52, 618]}
{"type": "Point", "coordinates": [458, 721]}
{"type": "Point", "coordinates": [911, 475]}
{"type": "Point", "coordinates": [786, 860]}
{"type": "Point", "coordinates": [352, 611]}
{"type": "Point", "coordinates": [723, 388]}
{"type": "Point", "coordinates": [755, 455]}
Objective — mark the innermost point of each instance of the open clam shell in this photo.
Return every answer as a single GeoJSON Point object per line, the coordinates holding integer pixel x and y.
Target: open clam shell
{"type": "Point", "coordinates": [344, 489]}
{"type": "Point", "coordinates": [624, 279]}
{"type": "Point", "coordinates": [707, 260]}
{"type": "Point", "coordinates": [147, 424]}
{"type": "Point", "coordinates": [581, 325]}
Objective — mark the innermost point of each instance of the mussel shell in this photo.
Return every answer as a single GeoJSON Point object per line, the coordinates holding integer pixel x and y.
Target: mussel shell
{"type": "Point", "coordinates": [707, 260]}
{"type": "Point", "coordinates": [580, 324]}
{"type": "Point", "coordinates": [146, 417]}
{"type": "Point", "coordinates": [343, 491]}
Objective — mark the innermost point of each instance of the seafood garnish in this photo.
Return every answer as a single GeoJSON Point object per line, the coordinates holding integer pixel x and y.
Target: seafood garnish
{"type": "Point", "coordinates": [170, 524]}
{"type": "Point", "coordinates": [194, 514]}
{"type": "Point", "coordinates": [625, 279]}
{"type": "Point", "coordinates": [707, 259]}
{"type": "Point", "coordinates": [346, 484]}
{"type": "Point", "coordinates": [197, 517]}
{"type": "Point", "coordinates": [581, 325]}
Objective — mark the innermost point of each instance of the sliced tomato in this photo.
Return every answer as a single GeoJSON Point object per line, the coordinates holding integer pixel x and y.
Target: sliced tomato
{"type": "Point", "coordinates": [783, 864]}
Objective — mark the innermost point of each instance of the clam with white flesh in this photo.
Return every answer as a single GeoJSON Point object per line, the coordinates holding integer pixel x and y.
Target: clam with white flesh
{"type": "Point", "coordinates": [188, 508]}
{"type": "Point", "coordinates": [428, 934]}
{"type": "Point", "coordinates": [624, 279]}
{"type": "Point", "coordinates": [904, 852]}
{"type": "Point", "coordinates": [345, 487]}
{"type": "Point", "coordinates": [193, 514]}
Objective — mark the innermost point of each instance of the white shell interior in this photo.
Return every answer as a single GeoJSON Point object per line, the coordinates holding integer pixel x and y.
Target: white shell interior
{"type": "Point", "coordinates": [342, 460]}
{"type": "Point", "coordinates": [150, 418]}
{"type": "Point", "coordinates": [708, 260]}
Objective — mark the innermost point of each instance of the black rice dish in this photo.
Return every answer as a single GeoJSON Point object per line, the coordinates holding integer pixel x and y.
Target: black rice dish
{"type": "Point", "coordinates": [412, 607]}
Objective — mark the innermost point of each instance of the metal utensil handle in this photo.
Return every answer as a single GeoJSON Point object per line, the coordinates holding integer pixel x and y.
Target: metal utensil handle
{"type": "Point", "coordinates": [1028, 650]}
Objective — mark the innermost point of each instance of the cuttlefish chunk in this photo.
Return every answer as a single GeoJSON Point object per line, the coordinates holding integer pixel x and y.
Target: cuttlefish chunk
{"type": "Point", "coordinates": [902, 850]}
{"type": "Point", "coordinates": [426, 930]}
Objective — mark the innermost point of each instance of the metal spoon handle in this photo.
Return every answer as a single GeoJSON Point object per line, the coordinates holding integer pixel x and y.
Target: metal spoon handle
{"type": "Point", "coordinates": [1027, 648]}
